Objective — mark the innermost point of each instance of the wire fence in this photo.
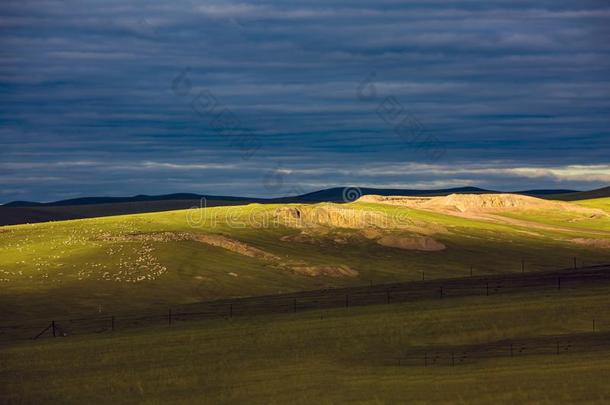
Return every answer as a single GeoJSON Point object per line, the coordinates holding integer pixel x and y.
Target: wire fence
{"type": "Point", "coordinates": [374, 294]}
{"type": "Point", "coordinates": [578, 343]}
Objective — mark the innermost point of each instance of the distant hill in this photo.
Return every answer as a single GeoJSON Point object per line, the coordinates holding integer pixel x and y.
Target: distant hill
{"type": "Point", "coordinates": [14, 215]}
{"type": "Point", "coordinates": [583, 195]}
{"type": "Point", "coordinates": [338, 194]}
{"type": "Point", "coordinates": [20, 212]}
{"type": "Point", "coordinates": [137, 198]}
{"type": "Point", "coordinates": [545, 193]}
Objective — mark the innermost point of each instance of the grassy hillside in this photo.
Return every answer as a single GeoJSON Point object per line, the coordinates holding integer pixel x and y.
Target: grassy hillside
{"type": "Point", "coordinates": [601, 203]}
{"type": "Point", "coordinates": [134, 262]}
{"type": "Point", "coordinates": [333, 356]}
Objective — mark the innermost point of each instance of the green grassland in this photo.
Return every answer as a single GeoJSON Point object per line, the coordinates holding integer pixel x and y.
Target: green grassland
{"type": "Point", "coordinates": [571, 220]}
{"type": "Point", "coordinates": [149, 262]}
{"type": "Point", "coordinates": [332, 356]}
{"type": "Point", "coordinates": [601, 203]}
{"type": "Point", "coordinates": [97, 266]}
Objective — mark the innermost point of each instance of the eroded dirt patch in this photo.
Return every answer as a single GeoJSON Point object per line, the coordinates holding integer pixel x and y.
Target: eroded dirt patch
{"type": "Point", "coordinates": [483, 203]}
{"type": "Point", "coordinates": [242, 248]}
{"type": "Point", "coordinates": [234, 246]}
{"type": "Point", "coordinates": [339, 217]}
{"type": "Point", "coordinates": [315, 218]}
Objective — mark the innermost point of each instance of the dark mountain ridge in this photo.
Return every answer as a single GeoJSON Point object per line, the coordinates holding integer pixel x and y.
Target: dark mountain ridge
{"type": "Point", "coordinates": [20, 212]}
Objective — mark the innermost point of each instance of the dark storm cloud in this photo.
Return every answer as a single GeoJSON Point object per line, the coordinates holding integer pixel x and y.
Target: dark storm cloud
{"type": "Point", "coordinates": [514, 92]}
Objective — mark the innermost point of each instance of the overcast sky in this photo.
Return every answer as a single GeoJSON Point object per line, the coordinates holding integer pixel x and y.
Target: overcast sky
{"type": "Point", "coordinates": [275, 98]}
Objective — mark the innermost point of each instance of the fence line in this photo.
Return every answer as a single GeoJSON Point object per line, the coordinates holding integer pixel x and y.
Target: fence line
{"type": "Point", "coordinates": [373, 294]}
{"type": "Point", "coordinates": [540, 345]}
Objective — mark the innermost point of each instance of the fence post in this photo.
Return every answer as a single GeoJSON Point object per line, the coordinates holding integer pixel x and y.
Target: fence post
{"type": "Point", "coordinates": [441, 291]}
{"type": "Point", "coordinates": [169, 317]}
{"type": "Point", "coordinates": [559, 283]}
{"type": "Point", "coordinates": [53, 328]}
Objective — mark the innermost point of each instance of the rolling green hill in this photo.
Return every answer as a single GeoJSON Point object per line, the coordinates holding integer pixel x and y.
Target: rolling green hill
{"type": "Point", "coordinates": [146, 261]}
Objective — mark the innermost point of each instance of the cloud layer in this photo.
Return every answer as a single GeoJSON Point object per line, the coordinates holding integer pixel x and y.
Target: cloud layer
{"type": "Point", "coordinates": [269, 98]}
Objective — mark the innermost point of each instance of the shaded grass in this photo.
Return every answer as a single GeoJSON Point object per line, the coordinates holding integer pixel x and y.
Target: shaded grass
{"type": "Point", "coordinates": [333, 356]}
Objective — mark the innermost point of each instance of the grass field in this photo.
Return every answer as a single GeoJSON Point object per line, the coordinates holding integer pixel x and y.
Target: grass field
{"type": "Point", "coordinates": [149, 262]}
{"type": "Point", "coordinates": [117, 264]}
{"type": "Point", "coordinates": [332, 356]}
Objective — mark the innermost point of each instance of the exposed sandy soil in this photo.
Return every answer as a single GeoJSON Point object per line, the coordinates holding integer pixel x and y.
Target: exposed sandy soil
{"type": "Point", "coordinates": [234, 246]}
{"type": "Point", "coordinates": [298, 267]}
{"type": "Point", "coordinates": [339, 217]}
{"type": "Point", "coordinates": [423, 243]}
{"type": "Point", "coordinates": [303, 217]}
{"type": "Point", "coordinates": [489, 207]}
{"type": "Point", "coordinates": [372, 233]}
{"type": "Point", "coordinates": [381, 235]}
{"type": "Point", "coordinates": [482, 203]}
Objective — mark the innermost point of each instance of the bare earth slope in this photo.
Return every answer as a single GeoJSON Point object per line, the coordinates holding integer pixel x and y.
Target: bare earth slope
{"type": "Point", "coordinates": [482, 203]}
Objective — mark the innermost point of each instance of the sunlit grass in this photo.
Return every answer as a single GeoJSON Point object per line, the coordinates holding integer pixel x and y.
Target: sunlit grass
{"type": "Point", "coordinates": [91, 266]}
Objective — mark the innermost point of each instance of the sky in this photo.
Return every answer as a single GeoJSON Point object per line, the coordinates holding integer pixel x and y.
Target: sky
{"type": "Point", "coordinates": [119, 98]}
